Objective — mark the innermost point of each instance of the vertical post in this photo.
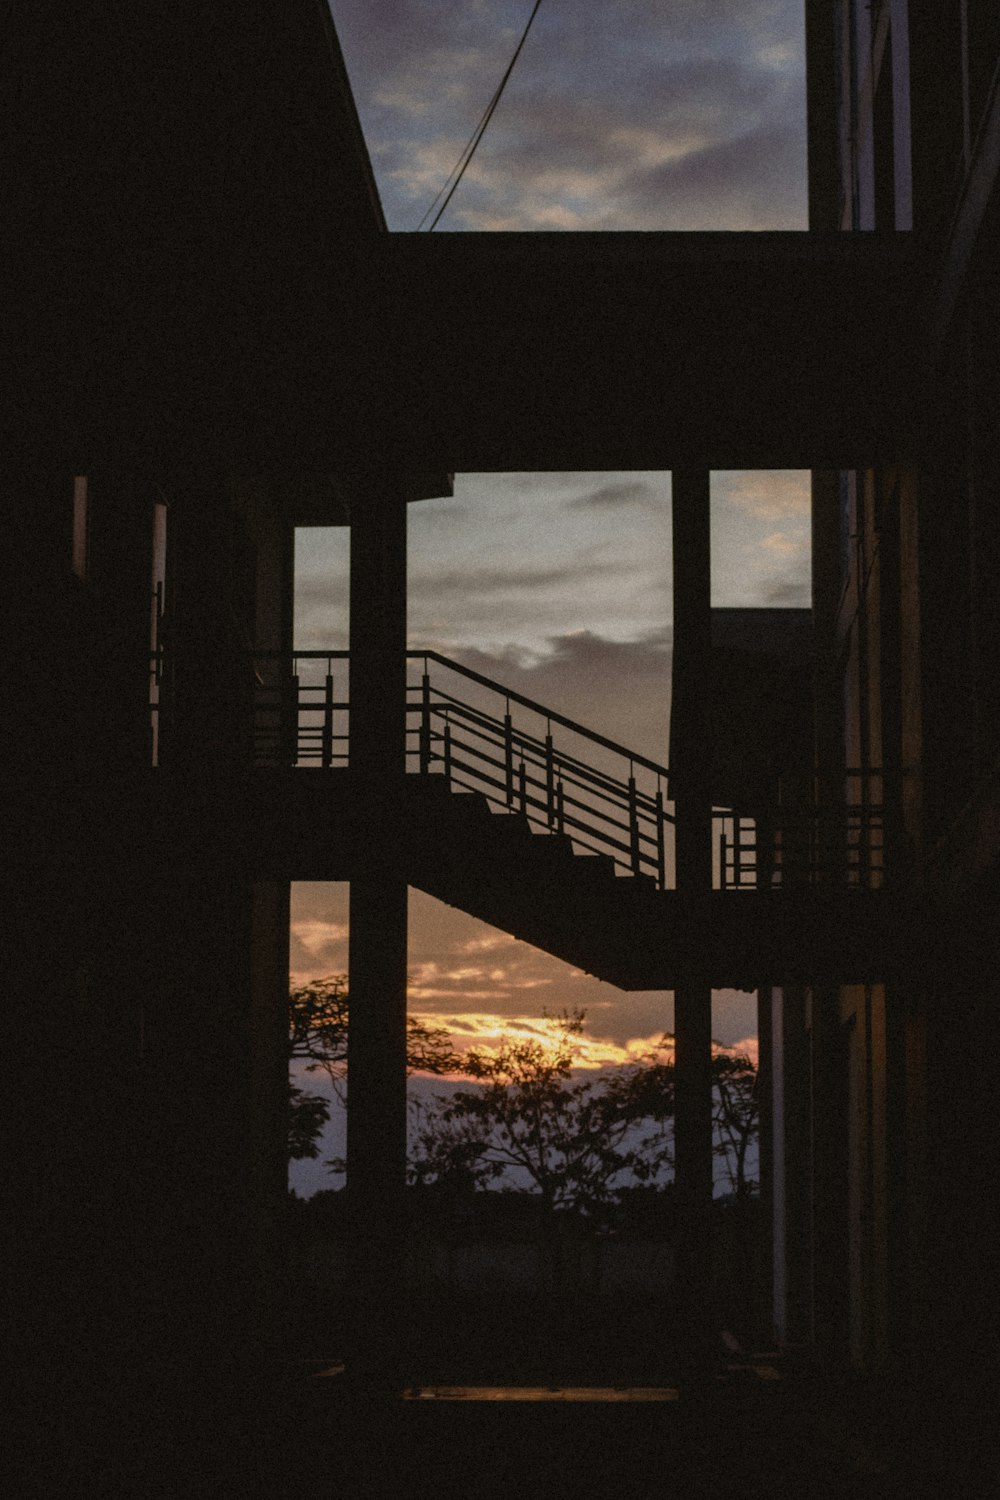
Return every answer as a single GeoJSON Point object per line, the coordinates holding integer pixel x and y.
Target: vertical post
{"type": "Point", "coordinates": [508, 756]}
{"type": "Point", "coordinates": [692, 792]}
{"type": "Point", "coordinates": [328, 723]}
{"type": "Point", "coordinates": [550, 781]}
{"type": "Point", "coordinates": [425, 722]}
{"type": "Point", "coordinates": [633, 828]}
{"type": "Point", "coordinates": [290, 718]}
{"type": "Point", "coordinates": [661, 847]}
{"type": "Point", "coordinates": [522, 788]}
{"type": "Point", "coordinates": [376, 1125]}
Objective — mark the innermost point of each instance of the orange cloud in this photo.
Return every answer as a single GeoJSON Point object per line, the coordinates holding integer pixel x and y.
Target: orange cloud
{"type": "Point", "coordinates": [591, 1053]}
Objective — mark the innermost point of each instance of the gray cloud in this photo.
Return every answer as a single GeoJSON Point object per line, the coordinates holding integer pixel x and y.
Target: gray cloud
{"type": "Point", "coordinates": [499, 582]}
{"type": "Point", "coordinates": [636, 115]}
{"type": "Point", "coordinates": [613, 496]}
{"type": "Point", "coordinates": [620, 689]}
{"type": "Point", "coordinates": [786, 593]}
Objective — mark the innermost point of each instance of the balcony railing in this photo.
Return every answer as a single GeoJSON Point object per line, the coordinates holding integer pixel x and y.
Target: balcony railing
{"type": "Point", "coordinates": [811, 829]}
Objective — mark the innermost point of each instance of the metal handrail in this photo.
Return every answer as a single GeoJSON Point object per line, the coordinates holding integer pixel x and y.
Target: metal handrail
{"type": "Point", "coordinates": [527, 773]}
{"type": "Point", "coordinates": [540, 708]}
{"type": "Point", "coordinates": [817, 826]}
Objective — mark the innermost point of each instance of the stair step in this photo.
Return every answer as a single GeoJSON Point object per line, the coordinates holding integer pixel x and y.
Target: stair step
{"type": "Point", "coordinates": [601, 865]}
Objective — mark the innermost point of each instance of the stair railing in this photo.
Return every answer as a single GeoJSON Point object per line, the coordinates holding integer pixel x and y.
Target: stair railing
{"type": "Point", "coordinates": [823, 829]}
{"type": "Point", "coordinates": [526, 759]}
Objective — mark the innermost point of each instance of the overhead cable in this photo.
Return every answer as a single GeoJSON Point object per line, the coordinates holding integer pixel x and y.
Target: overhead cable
{"type": "Point", "coordinates": [458, 170]}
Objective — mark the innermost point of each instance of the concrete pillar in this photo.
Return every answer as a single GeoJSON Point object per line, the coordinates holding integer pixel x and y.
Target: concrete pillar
{"type": "Point", "coordinates": [791, 1165]}
{"type": "Point", "coordinates": [376, 1121]}
{"type": "Point", "coordinates": [764, 1300]}
{"type": "Point", "coordinates": [206, 701]}
{"type": "Point", "coordinates": [692, 794]}
{"type": "Point", "coordinates": [378, 639]}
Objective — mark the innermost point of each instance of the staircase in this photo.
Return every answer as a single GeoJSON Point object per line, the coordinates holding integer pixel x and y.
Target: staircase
{"type": "Point", "coordinates": [562, 837]}
{"type": "Point", "coordinates": [533, 884]}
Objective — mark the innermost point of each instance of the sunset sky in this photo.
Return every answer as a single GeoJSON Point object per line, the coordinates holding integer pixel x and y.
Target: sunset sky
{"type": "Point", "coordinates": [640, 115]}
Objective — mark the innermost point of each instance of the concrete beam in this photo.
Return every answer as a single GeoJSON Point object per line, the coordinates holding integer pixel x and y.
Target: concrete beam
{"type": "Point", "coordinates": [548, 351]}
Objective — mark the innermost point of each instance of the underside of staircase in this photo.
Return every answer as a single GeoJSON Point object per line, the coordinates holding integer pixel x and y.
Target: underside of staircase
{"type": "Point", "coordinates": [578, 906]}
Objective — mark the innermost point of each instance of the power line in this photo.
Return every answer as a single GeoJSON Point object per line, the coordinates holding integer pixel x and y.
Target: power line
{"type": "Point", "coordinates": [458, 170]}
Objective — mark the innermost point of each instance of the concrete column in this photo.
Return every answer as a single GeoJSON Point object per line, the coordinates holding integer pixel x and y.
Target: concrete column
{"type": "Point", "coordinates": [376, 1126]}
{"type": "Point", "coordinates": [764, 1290]}
{"type": "Point", "coordinates": [792, 1225]}
{"type": "Point", "coordinates": [378, 639]}
{"type": "Point", "coordinates": [691, 790]}
{"type": "Point", "coordinates": [206, 702]}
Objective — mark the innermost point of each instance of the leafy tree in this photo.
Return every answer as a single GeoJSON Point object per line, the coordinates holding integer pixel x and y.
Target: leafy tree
{"type": "Point", "coordinates": [318, 1015]}
{"type": "Point", "coordinates": [526, 1118]}
{"type": "Point", "coordinates": [307, 1114]}
{"type": "Point", "coordinates": [648, 1092]}
{"type": "Point", "coordinates": [576, 1143]}
{"type": "Point", "coordinates": [735, 1116]}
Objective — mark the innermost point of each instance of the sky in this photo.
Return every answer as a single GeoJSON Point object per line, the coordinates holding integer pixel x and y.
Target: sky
{"type": "Point", "coordinates": [642, 115]}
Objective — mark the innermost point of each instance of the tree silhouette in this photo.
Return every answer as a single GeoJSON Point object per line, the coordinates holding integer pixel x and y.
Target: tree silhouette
{"type": "Point", "coordinates": [526, 1120]}
{"type": "Point", "coordinates": [307, 1114]}
{"type": "Point", "coordinates": [735, 1116]}
{"type": "Point", "coordinates": [574, 1143]}
{"type": "Point", "coordinates": [318, 1020]}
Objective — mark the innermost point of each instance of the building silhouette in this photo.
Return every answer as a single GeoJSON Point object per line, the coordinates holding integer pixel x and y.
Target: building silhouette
{"type": "Point", "coordinates": [213, 340]}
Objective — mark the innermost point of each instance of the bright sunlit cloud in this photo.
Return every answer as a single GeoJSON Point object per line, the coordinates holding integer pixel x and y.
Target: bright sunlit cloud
{"type": "Point", "coordinates": [761, 540]}
{"type": "Point", "coordinates": [483, 1029]}
{"type": "Point", "coordinates": [474, 980]}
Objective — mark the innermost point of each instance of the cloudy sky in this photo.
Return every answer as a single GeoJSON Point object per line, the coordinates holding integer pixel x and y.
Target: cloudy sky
{"type": "Point", "coordinates": [644, 114]}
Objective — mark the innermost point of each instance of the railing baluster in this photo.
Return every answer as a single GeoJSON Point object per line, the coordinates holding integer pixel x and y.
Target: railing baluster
{"type": "Point", "coordinates": [327, 741]}
{"type": "Point", "coordinates": [560, 808]}
{"type": "Point", "coordinates": [522, 787]}
{"type": "Point", "coordinates": [661, 848]}
{"type": "Point", "coordinates": [550, 781]}
{"type": "Point", "coordinates": [425, 722]}
{"type": "Point", "coordinates": [447, 749]}
{"type": "Point", "coordinates": [508, 754]}
{"type": "Point", "coordinates": [633, 827]}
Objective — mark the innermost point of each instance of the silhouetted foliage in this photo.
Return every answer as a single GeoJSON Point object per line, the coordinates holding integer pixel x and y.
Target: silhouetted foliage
{"type": "Point", "coordinates": [579, 1144]}
{"type": "Point", "coordinates": [528, 1119]}
{"type": "Point", "coordinates": [307, 1114]}
{"type": "Point", "coordinates": [318, 1015]}
{"type": "Point", "coordinates": [649, 1092]}
{"type": "Point", "coordinates": [735, 1115]}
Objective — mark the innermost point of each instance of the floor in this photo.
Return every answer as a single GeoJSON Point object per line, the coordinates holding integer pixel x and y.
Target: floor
{"type": "Point", "coordinates": [754, 1430]}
